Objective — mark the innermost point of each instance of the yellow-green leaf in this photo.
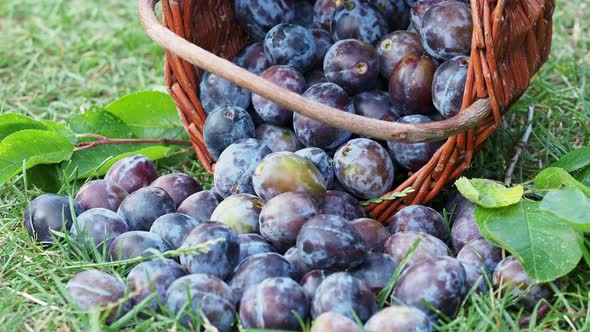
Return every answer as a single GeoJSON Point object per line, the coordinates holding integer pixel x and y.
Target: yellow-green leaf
{"type": "Point", "coordinates": [488, 193]}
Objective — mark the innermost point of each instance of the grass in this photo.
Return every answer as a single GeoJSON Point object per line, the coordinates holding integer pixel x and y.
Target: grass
{"type": "Point", "coordinates": [58, 58]}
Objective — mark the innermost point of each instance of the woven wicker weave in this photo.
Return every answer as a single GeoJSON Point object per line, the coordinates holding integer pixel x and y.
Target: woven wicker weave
{"type": "Point", "coordinates": [511, 40]}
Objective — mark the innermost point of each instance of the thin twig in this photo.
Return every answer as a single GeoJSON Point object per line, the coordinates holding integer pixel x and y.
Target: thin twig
{"type": "Point", "coordinates": [102, 140]}
{"type": "Point", "coordinates": [519, 147]}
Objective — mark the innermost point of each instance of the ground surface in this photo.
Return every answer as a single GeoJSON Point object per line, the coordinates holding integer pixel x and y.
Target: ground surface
{"type": "Point", "coordinates": [59, 57]}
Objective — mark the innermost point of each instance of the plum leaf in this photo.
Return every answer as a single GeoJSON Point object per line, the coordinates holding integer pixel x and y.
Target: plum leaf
{"type": "Point", "coordinates": [569, 204]}
{"type": "Point", "coordinates": [575, 160]}
{"type": "Point", "coordinates": [547, 246]}
{"type": "Point", "coordinates": [558, 178]}
{"type": "Point", "coordinates": [488, 193]}
{"type": "Point", "coordinates": [11, 123]}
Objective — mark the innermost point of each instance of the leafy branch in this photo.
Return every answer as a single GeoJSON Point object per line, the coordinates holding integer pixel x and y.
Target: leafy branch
{"type": "Point", "coordinates": [102, 140]}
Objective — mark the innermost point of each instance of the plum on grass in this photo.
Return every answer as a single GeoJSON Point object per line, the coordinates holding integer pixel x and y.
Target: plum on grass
{"type": "Point", "coordinates": [47, 213]}
{"type": "Point", "coordinates": [358, 19]}
{"type": "Point", "coordinates": [475, 277]}
{"type": "Point", "coordinates": [135, 244]}
{"type": "Point", "coordinates": [285, 77]}
{"type": "Point", "coordinates": [197, 295]}
{"type": "Point", "coordinates": [173, 227]}
{"type": "Point", "coordinates": [346, 295]}
{"type": "Point", "coordinates": [448, 85]}
{"type": "Point", "coordinates": [312, 280]}
{"type": "Point", "coordinates": [216, 91]}
{"type": "Point", "coordinates": [199, 205]}
{"type": "Point", "coordinates": [222, 254]}
{"type": "Point", "coordinates": [509, 275]}
{"type": "Point", "coordinates": [320, 159]}
{"type": "Point", "coordinates": [353, 65]}
{"type": "Point", "coordinates": [481, 253]}
{"type": "Point", "coordinates": [282, 172]}
{"type": "Point", "coordinates": [313, 133]}
{"type": "Point", "coordinates": [240, 212]}
{"type": "Point", "coordinates": [153, 277]}
{"type": "Point", "coordinates": [399, 318]}
{"type": "Point", "coordinates": [283, 216]}
{"type": "Point", "coordinates": [447, 29]}
{"type": "Point", "coordinates": [291, 45]}
{"type": "Point", "coordinates": [413, 156]}
{"type": "Point", "coordinates": [376, 271]}
{"type": "Point", "coordinates": [275, 303]}
{"type": "Point", "coordinates": [364, 168]}
{"type": "Point", "coordinates": [323, 11]}
{"type": "Point", "coordinates": [420, 218]}
{"type": "Point", "coordinates": [253, 244]}
{"type": "Point", "coordinates": [132, 173]}
{"type": "Point", "coordinates": [178, 185]}
{"type": "Point", "coordinates": [236, 165]}
{"type": "Point", "coordinates": [410, 84]}
{"type": "Point", "coordinates": [97, 228]}
{"type": "Point", "coordinates": [334, 322]}
{"type": "Point", "coordinates": [292, 256]}
{"type": "Point", "coordinates": [251, 57]}
{"type": "Point", "coordinates": [394, 47]}
{"type": "Point", "coordinates": [375, 104]}
{"type": "Point", "coordinates": [399, 244]}
{"type": "Point", "coordinates": [373, 232]}
{"type": "Point", "coordinates": [257, 268]}
{"type": "Point", "coordinates": [464, 228]}
{"type": "Point", "coordinates": [257, 17]}
{"type": "Point", "coordinates": [278, 139]}
{"type": "Point", "coordinates": [96, 289]}
{"type": "Point", "coordinates": [226, 125]}
{"type": "Point", "coordinates": [331, 242]}
{"type": "Point", "coordinates": [342, 204]}
{"type": "Point", "coordinates": [101, 194]}
{"type": "Point", "coordinates": [438, 281]}
{"type": "Point", "coordinates": [141, 208]}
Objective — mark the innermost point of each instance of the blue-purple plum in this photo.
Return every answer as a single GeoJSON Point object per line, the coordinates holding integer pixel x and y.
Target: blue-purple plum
{"type": "Point", "coordinates": [153, 277]}
{"type": "Point", "coordinates": [342, 204]}
{"type": "Point", "coordinates": [417, 11]}
{"type": "Point", "coordinates": [322, 161]}
{"type": "Point", "coordinates": [101, 194]}
{"type": "Point", "coordinates": [47, 213]}
{"type": "Point", "coordinates": [410, 84]}
{"type": "Point", "coordinates": [132, 173]}
{"type": "Point", "coordinates": [303, 13]}
{"type": "Point", "coordinates": [481, 253]}
{"type": "Point", "coordinates": [510, 276]}
{"type": "Point", "coordinates": [315, 76]}
{"type": "Point", "coordinates": [97, 228]}
{"type": "Point", "coordinates": [353, 65]}
{"type": "Point", "coordinates": [216, 91]}
{"type": "Point", "coordinates": [285, 77]}
{"type": "Point", "coordinates": [358, 19]}
{"type": "Point", "coordinates": [257, 17]}
{"type": "Point", "coordinates": [395, 46]}
{"type": "Point", "coordinates": [240, 212]}
{"type": "Point", "coordinates": [373, 232]}
{"type": "Point", "coordinates": [277, 138]}
{"type": "Point", "coordinates": [178, 185]}
{"type": "Point", "coordinates": [399, 318]}
{"type": "Point", "coordinates": [323, 11]}
{"type": "Point", "coordinates": [292, 256]}
{"type": "Point", "coordinates": [226, 125]}
{"type": "Point", "coordinates": [200, 205]}
{"type": "Point", "coordinates": [448, 85]}
{"type": "Point", "coordinates": [395, 12]}
{"type": "Point", "coordinates": [376, 271]}
{"type": "Point", "coordinates": [141, 208]}
{"type": "Point", "coordinates": [291, 45]}
{"type": "Point", "coordinates": [476, 277]}
{"type": "Point", "coordinates": [312, 280]}
{"type": "Point", "coordinates": [173, 227]}
{"type": "Point", "coordinates": [375, 104]}
{"type": "Point", "coordinates": [251, 57]}
{"type": "Point", "coordinates": [464, 228]}
{"type": "Point", "coordinates": [333, 322]}
{"type": "Point", "coordinates": [399, 244]}
{"type": "Point", "coordinates": [420, 218]}
{"type": "Point", "coordinates": [253, 244]}
{"type": "Point", "coordinates": [447, 29]}
{"type": "Point", "coordinates": [135, 244]}
{"type": "Point", "coordinates": [323, 41]}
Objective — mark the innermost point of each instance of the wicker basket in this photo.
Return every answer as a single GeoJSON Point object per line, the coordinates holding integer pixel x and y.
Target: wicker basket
{"type": "Point", "coordinates": [511, 40]}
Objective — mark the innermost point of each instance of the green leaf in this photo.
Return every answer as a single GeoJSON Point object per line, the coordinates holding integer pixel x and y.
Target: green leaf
{"type": "Point", "coordinates": [390, 197]}
{"type": "Point", "coordinates": [575, 160]}
{"type": "Point", "coordinates": [557, 178]}
{"type": "Point", "coordinates": [149, 114]}
{"type": "Point", "coordinates": [488, 193]}
{"type": "Point", "coordinates": [547, 247]}
{"type": "Point", "coordinates": [571, 205]}
{"type": "Point", "coordinates": [61, 129]}
{"type": "Point", "coordinates": [11, 123]}
{"type": "Point", "coordinates": [584, 176]}
{"type": "Point", "coordinates": [31, 147]}
{"type": "Point", "coordinates": [99, 121]}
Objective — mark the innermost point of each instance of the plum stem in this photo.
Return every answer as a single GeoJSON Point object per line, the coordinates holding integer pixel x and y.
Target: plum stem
{"type": "Point", "coordinates": [102, 140]}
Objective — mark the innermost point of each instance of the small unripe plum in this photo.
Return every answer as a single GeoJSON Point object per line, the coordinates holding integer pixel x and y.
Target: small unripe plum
{"type": "Point", "coordinates": [240, 212]}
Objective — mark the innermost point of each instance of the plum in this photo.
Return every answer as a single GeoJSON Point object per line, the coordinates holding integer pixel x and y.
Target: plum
{"type": "Point", "coordinates": [395, 12]}
{"type": "Point", "coordinates": [333, 322]}
{"type": "Point", "coordinates": [399, 318]}
{"type": "Point", "coordinates": [283, 216]}
{"type": "Point", "coordinates": [376, 271]}
{"type": "Point", "coordinates": [173, 227]}
{"type": "Point", "coordinates": [394, 47]}
{"type": "Point", "coordinates": [439, 282]}
{"type": "Point", "coordinates": [292, 256]}
{"type": "Point", "coordinates": [358, 19]}
{"type": "Point", "coordinates": [226, 125]}
{"type": "Point", "coordinates": [200, 205]}
{"type": "Point", "coordinates": [448, 85]}
{"type": "Point", "coordinates": [413, 156]}
{"type": "Point", "coordinates": [509, 275]}
{"type": "Point", "coordinates": [101, 194]}
{"type": "Point", "coordinates": [342, 204]}
{"type": "Point", "coordinates": [417, 11]}
{"type": "Point", "coordinates": [353, 65]}
{"type": "Point", "coordinates": [420, 218]}
{"type": "Point", "coordinates": [275, 303]}
{"type": "Point", "coordinates": [236, 165]}
{"type": "Point", "coordinates": [303, 13]}
{"type": "Point", "coordinates": [410, 84]}
{"type": "Point", "coordinates": [278, 139]}
{"type": "Point", "coordinates": [475, 277]}
{"type": "Point", "coordinates": [375, 104]}
{"type": "Point", "coordinates": [257, 17]}
{"type": "Point", "coordinates": [315, 76]}
{"type": "Point", "coordinates": [257, 268]}
{"type": "Point", "coordinates": [141, 208]}
{"type": "Point", "coordinates": [331, 242]}
{"type": "Point", "coordinates": [373, 232]}
{"type": "Point", "coordinates": [135, 244]}
{"type": "Point", "coordinates": [482, 254]}
{"type": "Point", "coordinates": [312, 280]}
{"type": "Point", "coordinates": [153, 277]}
{"type": "Point", "coordinates": [132, 173]}
{"type": "Point", "coordinates": [197, 295]}
{"type": "Point", "coordinates": [97, 228]}
{"type": "Point", "coordinates": [216, 91]}
{"type": "Point", "coordinates": [400, 243]}
{"type": "Point", "coordinates": [251, 57]}
{"type": "Point", "coordinates": [96, 289]}
{"type": "Point", "coordinates": [291, 45]}
{"type": "Point", "coordinates": [323, 11]}
{"type": "Point", "coordinates": [252, 244]}
{"type": "Point", "coordinates": [323, 41]}
{"type": "Point", "coordinates": [346, 295]}
{"type": "Point", "coordinates": [285, 77]}
{"type": "Point", "coordinates": [282, 172]}
{"type": "Point", "coordinates": [222, 254]}
{"type": "Point", "coordinates": [47, 213]}
{"type": "Point", "coordinates": [322, 161]}
{"type": "Point", "coordinates": [447, 29]}
{"type": "Point", "coordinates": [313, 133]}
{"type": "Point", "coordinates": [240, 212]}
{"type": "Point", "coordinates": [178, 185]}
{"type": "Point", "coordinates": [464, 228]}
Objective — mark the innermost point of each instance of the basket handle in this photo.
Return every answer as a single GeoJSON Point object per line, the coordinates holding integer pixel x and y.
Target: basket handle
{"type": "Point", "coordinates": [390, 131]}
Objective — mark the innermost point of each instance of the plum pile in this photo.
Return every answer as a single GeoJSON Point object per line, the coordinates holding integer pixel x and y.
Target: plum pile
{"type": "Point", "coordinates": [287, 238]}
